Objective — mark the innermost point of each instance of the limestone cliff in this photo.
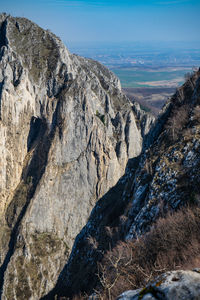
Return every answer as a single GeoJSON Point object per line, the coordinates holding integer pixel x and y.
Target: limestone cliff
{"type": "Point", "coordinates": [66, 135]}
{"type": "Point", "coordinates": [164, 178]}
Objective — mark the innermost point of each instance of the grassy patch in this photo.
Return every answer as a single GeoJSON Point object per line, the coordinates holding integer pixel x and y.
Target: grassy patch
{"type": "Point", "coordinates": [101, 117]}
{"type": "Point", "coordinates": [4, 237]}
{"type": "Point", "coordinates": [36, 47]}
{"type": "Point", "coordinates": [45, 244]}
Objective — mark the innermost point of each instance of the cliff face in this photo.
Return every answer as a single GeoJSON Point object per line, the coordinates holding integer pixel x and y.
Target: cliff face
{"type": "Point", "coordinates": [163, 179]}
{"type": "Point", "coordinates": [168, 175]}
{"type": "Point", "coordinates": [66, 135]}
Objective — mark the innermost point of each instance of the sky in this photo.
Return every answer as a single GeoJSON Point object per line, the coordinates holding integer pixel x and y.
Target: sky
{"type": "Point", "coordinates": [112, 20]}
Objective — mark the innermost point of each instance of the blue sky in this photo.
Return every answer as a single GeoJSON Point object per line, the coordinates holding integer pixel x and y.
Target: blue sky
{"type": "Point", "coordinates": [112, 20]}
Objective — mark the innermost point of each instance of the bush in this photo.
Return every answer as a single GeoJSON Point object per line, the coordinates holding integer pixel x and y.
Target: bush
{"type": "Point", "coordinates": [173, 243]}
{"type": "Point", "coordinates": [177, 122]}
{"type": "Point", "coordinates": [101, 117]}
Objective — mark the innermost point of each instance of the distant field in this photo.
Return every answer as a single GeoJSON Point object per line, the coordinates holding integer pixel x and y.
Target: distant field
{"type": "Point", "coordinates": [165, 78]}
{"type": "Point", "coordinates": [150, 99]}
{"type": "Point", "coordinates": [149, 72]}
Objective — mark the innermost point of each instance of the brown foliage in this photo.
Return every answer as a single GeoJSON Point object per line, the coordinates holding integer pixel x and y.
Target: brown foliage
{"type": "Point", "coordinates": [173, 243]}
{"type": "Point", "coordinates": [197, 113]}
{"type": "Point", "coordinates": [177, 122]}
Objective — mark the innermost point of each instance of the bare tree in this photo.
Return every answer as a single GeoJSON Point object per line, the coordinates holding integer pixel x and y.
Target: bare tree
{"type": "Point", "coordinates": [177, 121]}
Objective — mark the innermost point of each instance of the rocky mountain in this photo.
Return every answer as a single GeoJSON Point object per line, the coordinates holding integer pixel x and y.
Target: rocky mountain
{"type": "Point", "coordinates": [95, 198]}
{"type": "Point", "coordinates": [67, 133]}
{"type": "Point", "coordinates": [159, 182]}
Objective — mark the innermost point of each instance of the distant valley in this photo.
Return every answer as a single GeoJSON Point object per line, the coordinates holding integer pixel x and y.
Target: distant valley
{"type": "Point", "coordinates": [149, 72]}
{"type": "Point", "coordinates": [150, 99]}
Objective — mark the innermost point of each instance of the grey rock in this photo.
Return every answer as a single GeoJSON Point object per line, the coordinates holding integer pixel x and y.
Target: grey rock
{"type": "Point", "coordinates": [129, 295]}
{"type": "Point", "coordinates": [176, 285]}
{"type": "Point", "coordinates": [158, 183]}
{"type": "Point", "coordinates": [66, 135]}
{"type": "Point", "coordinates": [151, 186]}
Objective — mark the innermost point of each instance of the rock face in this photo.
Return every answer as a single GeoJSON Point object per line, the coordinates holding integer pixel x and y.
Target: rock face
{"type": "Point", "coordinates": [176, 285]}
{"type": "Point", "coordinates": [168, 175]}
{"type": "Point", "coordinates": [164, 178]}
{"type": "Point", "coordinates": [66, 135]}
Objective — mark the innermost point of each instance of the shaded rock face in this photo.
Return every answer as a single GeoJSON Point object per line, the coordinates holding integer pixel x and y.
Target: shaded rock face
{"type": "Point", "coordinates": [168, 175]}
{"type": "Point", "coordinates": [162, 179]}
{"type": "Point", "coordinates": [176, 285]}
{"type": "Point", "coordinates": [66, 135]}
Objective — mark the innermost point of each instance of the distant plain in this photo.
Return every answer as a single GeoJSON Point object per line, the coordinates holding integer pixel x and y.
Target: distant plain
{"type": "Point", "coordinates": [149, 72]}
{"type": "Point", "coordinates": [146, 77]}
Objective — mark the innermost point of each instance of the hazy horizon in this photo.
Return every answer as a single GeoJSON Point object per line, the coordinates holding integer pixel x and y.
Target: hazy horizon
{"type": "Point", "coordinates": [113, 21]}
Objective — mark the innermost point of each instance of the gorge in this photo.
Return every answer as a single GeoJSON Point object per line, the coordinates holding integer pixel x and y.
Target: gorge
{"type": "Point", "coordinates": [82, 168]}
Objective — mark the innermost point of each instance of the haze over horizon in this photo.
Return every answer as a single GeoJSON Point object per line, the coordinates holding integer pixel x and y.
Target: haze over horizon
{"type": "Point", "coordinates": [113, 21]}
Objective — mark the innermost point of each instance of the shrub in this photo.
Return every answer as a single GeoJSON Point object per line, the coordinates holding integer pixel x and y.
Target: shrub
{"type": "Point", "coordinates": [172, 243]}
{"type": "Point", "coordinates": [197, 113]}
{"type": "Point", "coordinates": [177, 122]}
{"type": "Point", "coordinates": [101, 117]}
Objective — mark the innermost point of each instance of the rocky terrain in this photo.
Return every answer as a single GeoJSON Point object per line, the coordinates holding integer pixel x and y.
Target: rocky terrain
{"type": "Point", "coordinates": [85, 173]}
{"type": "Point", "coordinates": [66, 135]}
{"type": "Point", "coordinates": [172, 285]}
{"type": "Point", "coordinates": [164, 178]}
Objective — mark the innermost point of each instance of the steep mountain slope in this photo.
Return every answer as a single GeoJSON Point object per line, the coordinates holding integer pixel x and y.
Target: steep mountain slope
{"type": "Point", "coordinates": [66, 135]}
{"type": "Point", "coordinates": [168, 176]}
{"type": "Point", "coordinates": [163, 179]}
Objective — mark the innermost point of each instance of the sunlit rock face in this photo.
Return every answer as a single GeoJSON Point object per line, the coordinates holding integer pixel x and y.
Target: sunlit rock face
{"type": "Point", "coordinates": [172, 285]}
{"type": "Point", "coordinates": [66, 134]}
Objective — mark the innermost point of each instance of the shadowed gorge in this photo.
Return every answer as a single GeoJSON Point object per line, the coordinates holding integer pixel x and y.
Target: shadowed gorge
{"type": "Point", "coordinates": [89, 182]}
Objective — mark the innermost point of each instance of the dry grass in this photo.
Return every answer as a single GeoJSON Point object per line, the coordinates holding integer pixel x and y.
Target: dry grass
{"type": "Point", "coordinates": [173, 243]}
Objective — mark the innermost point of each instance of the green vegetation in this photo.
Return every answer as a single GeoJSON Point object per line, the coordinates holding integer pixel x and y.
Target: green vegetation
{"type": "Point", "coordinates": [31, 271]}
{"type": "Point", "coordinates": [101, 117]}
{"type": "Point", "coordinates": [22, 290]}
{"type": "Point", "coordinates": [135, 77]}
{"type": "Point", "coordinates": [4, 237]}
{"type": "Point", "coordinates": [39, 53]}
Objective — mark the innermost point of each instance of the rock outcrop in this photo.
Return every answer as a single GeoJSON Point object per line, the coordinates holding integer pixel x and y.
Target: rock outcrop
{"type": "Point", "coordinates": [176, 285]}
{"type": "Point", "coordinates": [66, 135]}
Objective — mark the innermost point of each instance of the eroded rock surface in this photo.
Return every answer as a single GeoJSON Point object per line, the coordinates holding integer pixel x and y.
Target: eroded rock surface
{"type": "Point", "coordinates": [176, 285]}
{"type": "Point", "coordinates": [66, 135]}
{"type": "Point", "coordinates": [163, 179]}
